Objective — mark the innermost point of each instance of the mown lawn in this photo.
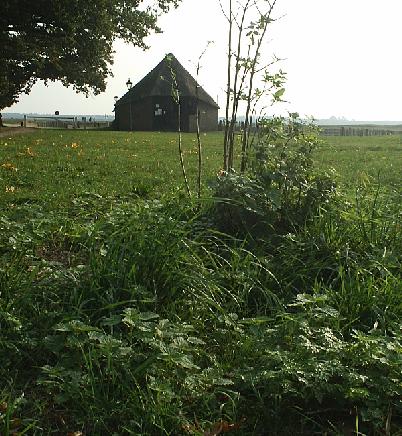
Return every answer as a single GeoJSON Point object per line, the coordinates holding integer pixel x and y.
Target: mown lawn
{"type": "Point", "coordinates": [359, 160]}
{"type": "Point", "coordinates": [52, 167]}
{"type": "Point", "coordinates": [56, 166]}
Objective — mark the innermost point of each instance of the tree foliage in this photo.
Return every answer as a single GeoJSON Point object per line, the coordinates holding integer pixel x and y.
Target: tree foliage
{"type": "Point", "coordinates": [68, 40]}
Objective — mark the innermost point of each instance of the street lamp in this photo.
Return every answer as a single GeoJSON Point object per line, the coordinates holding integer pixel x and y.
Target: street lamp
{"type": "Point", "coordinates": [115, 122]}
{"type": "Point", "coordinates": [129, 85]}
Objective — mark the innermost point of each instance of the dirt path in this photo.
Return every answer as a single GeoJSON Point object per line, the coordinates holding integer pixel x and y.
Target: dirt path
{"type": "Point", "coordinates": [11, 131]}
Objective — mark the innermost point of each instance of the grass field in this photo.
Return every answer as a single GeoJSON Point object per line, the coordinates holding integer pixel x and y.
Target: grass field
{"type": "Point", "coordinates": [126, 308]}
{"type": "Point", "coordinates": [360, 159]}
{"type": "Point", "coordinates": [57, 165]}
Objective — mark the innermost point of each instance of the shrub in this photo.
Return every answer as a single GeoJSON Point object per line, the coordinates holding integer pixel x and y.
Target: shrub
{"type": "Point", "coordinates": [279, 189]}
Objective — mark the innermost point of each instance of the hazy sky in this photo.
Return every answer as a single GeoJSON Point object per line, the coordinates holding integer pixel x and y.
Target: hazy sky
{"type": "Point", "coordinates": [342, 58]}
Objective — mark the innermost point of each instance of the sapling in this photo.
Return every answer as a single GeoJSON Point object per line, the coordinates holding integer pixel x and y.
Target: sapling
{"type": "Point", "coordinates": [176, 98]}
{"type": "Point", "coordinates": [199, 143]}
{"type": "Point", "coordinates": [249, 21]}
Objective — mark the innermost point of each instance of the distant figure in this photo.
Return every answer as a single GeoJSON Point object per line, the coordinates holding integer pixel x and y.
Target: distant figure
{"type": "Point", "coordinates": [1, 120]}
{"type": "Point", "coordinates": [22, 124]}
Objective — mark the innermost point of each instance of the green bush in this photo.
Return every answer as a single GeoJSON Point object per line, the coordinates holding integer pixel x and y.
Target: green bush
{"type": "Point", "coordinates": [280, 188]}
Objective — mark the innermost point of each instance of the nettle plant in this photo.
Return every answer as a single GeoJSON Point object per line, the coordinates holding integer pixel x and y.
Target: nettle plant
{"type": "Point", "coordinates": [276, 184]}
{"type": "Point", "coordinates": [279, 188]}
{"type": "Point", "coordinates": [282, 161]}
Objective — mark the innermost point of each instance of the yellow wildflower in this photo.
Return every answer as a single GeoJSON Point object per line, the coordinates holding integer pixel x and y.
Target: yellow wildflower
{"type": "Point", "coordinates": [9, 166]}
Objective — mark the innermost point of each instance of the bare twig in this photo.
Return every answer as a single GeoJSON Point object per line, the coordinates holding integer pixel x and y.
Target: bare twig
{"type": "Point", "coordinates": [199, 144]}
{"type": "Point", "coordinates": [266, 21]}
{"type": "Point", "coordinates": [228, 90]}
{"type": "Point", "coordinates": [176, 98]}
{"type": "Point", "coordinates": [236, 93]}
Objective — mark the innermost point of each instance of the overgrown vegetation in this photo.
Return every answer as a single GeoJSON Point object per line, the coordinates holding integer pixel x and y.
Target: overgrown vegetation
{"type": "Point", "coordinates": [273, 305]}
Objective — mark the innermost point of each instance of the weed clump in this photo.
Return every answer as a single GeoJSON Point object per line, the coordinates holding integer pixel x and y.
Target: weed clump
{"type": "Point", "coordinates": [279, 189]}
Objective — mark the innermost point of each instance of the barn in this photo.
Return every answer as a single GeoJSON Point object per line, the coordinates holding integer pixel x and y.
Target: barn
{"type": "Point", "coordinates": [150, 106]}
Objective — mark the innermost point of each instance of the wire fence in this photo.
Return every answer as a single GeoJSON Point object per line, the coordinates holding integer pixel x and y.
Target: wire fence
{"type": "Point", "coordinates": [360, 131]}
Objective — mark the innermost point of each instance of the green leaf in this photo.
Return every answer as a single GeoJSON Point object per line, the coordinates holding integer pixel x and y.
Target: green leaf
{"type": "Point", "coordinates": [148, 316]}
{"type": "Point", "coordinates": [278, 94]}
{"type": "Point", "coordinates": [75, 326]}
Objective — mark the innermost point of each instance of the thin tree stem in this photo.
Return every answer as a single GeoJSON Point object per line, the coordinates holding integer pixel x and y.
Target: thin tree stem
{"type": "Point", "coordinates": [183, 168]}
{"type": "Point", "coordinates": [228, 91]}
{"type": "Point", "coordinates": [199, 153]}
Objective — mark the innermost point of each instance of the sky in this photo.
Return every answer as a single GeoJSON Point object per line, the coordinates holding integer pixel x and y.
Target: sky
{"type": "Point", "coordinates": [342, 59]}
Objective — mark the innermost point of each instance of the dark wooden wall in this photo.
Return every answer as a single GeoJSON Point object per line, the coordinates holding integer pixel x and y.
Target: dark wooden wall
{"type": "Point", "coordinates": [208, 118]}
{"type": "Point", "coordinates": [161, 114]}
{"type": "Point", "coordinates": [140, 120]}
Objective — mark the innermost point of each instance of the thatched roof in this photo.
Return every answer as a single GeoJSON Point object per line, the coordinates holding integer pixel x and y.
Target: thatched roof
{"type": "Point", "coordinates": [158, 83]}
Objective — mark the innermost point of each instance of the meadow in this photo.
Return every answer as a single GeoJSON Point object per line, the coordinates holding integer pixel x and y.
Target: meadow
{"type": "Point", "coordinates": [55, 166]}
{"type": "Point", "coordinates": [127, 308]}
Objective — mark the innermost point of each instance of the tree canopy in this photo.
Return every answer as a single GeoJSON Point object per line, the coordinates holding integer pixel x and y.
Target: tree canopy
{"type": "Point", "coordinates": [68, 40]}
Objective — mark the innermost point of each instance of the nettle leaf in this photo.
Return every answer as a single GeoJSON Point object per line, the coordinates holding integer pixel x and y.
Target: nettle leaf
{"type": "Point", "coordinates": [11, 320]}
{"type": "Point", "coordinates": [104, 340]}
{"type": "Point", "coordinates": [111, 321]}
{"type": "Point", "coordinates": [131, 317]}
{"type": "Point", "coordinates": [328, 311]}
{"type": "Point", "coordinates": [148, 316]}
{"type": "Point", "coordinates": [195, 341]}
{"type": "Point", "coordinates": [256, 320]}
{"type": "Point", "coordinates": [76, 341]}
{"type": "Point", "coordinates": [182, 360]}
{"type": "Point", "coordinates": [134, 317]}
{"type": "Point", "coordinates": [54, 343]}
{"type": "Point", "coordinates": [179, 343]}
{"type": "Point", "coordinates": [75, 326]}
{"type": "Point", "coordinates": [275, 196]}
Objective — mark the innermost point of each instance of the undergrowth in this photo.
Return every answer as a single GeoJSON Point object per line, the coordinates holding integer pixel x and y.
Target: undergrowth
{"type": "Point", "coordinates": [231, 314]}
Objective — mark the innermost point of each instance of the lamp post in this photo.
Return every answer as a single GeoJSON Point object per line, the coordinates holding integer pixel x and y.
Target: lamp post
{"type": "Point", "coordinates": [116, 122]}
{"type": "Point", "coordinates": [129, 85]}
